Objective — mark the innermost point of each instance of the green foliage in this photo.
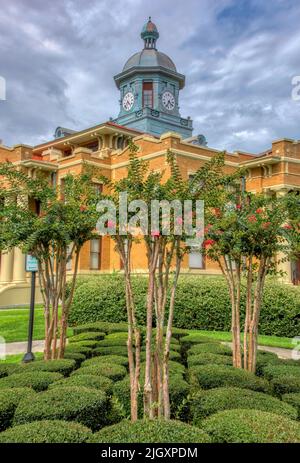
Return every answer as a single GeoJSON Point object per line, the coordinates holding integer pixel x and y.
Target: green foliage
{"type": "Point", "coordinates": [206, 403]}
{"type": "Point", "coordinates": [264, 359]}
{"type": "Point", "coordinates": [113, 371]}
{"type": "Point", "coordinates": [210, 348]}
{"type": "Point", "coordinates": [7, 369]}
{"type": "Point", "coordinates": [77, 356]}
{"type": "Point", "coordinates": [285, 384]}
{"type": "Point", "coordinates": [274, 371]}
{"type": "Point", "coordinates": [90, 381]}
{"type": "Point", "coordinates": [114, 339]}
{"type": "Point", "coordinates": [212, 376]}
{"type": "Point", "coordinates": [89, 336]}
{"type": "Point", "coordinates": [293, 400]}
{"type": "Point", "coordinates": [208, 359]}
{"type": "Point", "coordinates": [106, 359]}
{"type": "Point", "coordinates": [251, 426]}
{"type": "Point", "coordinates": [201, 303]}
{"type": "Point", "coordinates": [151, 432]}
{"type": "Point", "coordinates": [46, 432]}
{"type": "Point", "coordinates": [86, 406]}
{"type": "Point", "coordinates": [9, 400]}
{"type": "Point", "coordinates": [37, 380]}
{"type": "Point", "coordinates": [63, 366]}
{"type": "Point", "coordinates": [78, 347]}
{"type": "Point", "coordinates": [175, 356]}
{"type": "Point", "coordinates": [104, 327]}
{"type": "Point", "coordinates": [112, 350]}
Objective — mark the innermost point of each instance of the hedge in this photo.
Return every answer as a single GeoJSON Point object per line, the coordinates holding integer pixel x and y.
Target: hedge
{"type": "Point", "coordinates": [212, 376]}
{"type": "Point", "coordinates": [114, 359]}
{"type": "Point", "coordinates": [285, 384]}
{"type": "Point", "coordinates": [37, 380]}
{"type": "Point", "coordinates": [89, 336]}
{"type": "Point", "coordinates": [273, 371]}
{"type": "Point", "coordinates": [90, 381]}
{"type": "Point", "coordinates": [80, 349]}
{"type": "Point", "coordinates": [209, 359]}
{"type": "Point", "coordinates": [178, 389]}
{"type": "Point", "coordinates": [9, 400]}
{"type": "Point", "coordinates": [155, 431]}
{"type": "Point", "coordinates": [104, 327]}
{"type": "Point", "coordinates": [63, 366]}
{"type": "Point", "coordinates": [201, 303]}
{"type": "Point", "coordinates": [264, 359]}
{"type": "Point", "coordinates": [114, 372]}
{"type": "Point", "coordinates": [112, 350]}
{"type": "Point", "coordinates": [46, 432]}
{"type": "Point", "coordinates": [86, 406]}
{"type": "Point", "coordinates": [210, 348]}
{"type": "Point", "coordinates": [175, 356]}
{"type": "Point", "coordinates": [293, 400]}
{"type": "Point", "coordinates": [251, 426]}
{"type": "Point", "coordinates": [7, 369]}
{"type": "Point", "coordinates": [77, 356]}
{"type": "Point", "coordinates": [114, 339]}
{"type": "Point", "coordinates": [206, 403]}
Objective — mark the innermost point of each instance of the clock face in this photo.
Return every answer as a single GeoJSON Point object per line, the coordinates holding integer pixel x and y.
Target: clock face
{"type": "Point", "coordinates": [168, 100]}
{"type": "Point", "coordinates": [128, 101]}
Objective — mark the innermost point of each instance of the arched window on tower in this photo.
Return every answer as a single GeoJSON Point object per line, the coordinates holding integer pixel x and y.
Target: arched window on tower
{"type": "Point", "coordinates": [147, 94]}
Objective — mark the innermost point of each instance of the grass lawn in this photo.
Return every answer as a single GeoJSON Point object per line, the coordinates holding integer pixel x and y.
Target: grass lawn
{"type": "Point", "coordinates": [14, 324]}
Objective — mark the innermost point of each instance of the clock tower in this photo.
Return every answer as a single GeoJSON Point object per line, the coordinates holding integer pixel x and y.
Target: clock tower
{"type": "Point", "coordinates": [149, 87]}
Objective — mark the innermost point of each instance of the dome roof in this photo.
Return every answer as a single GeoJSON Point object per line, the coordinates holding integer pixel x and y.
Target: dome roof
{"type": "Point", "coordinates": [149, 30]}
{"type": "Point", "coordinates": [150, 57]}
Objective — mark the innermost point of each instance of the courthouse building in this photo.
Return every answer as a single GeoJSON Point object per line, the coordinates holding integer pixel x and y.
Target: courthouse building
{"type": "Point", "coordinates": [149, 87]}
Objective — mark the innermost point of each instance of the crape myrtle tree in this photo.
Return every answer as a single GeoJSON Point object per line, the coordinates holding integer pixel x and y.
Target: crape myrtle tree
{"type": "Point", "coordinates": [52, 224]}
{"type": "Point", "coordinates": [249, 235]}
{"type": "Point", "coordinates": [165, 246]}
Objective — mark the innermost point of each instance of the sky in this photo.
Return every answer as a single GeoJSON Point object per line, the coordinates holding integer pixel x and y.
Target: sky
{"type": "Point", "coordinates": [58, 59]}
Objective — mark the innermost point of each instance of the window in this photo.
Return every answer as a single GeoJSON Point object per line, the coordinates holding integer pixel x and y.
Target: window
{"type": "Point", "coordinates": [196, 260]}
{"type": "Point", "coordinates": [98, 188]}
{"type": "Point", "coordinates": [53, 179]}
{"type": "Point", "coordinates": [95, 254]}
{"type": "Point", "coordinates": [148, 95]}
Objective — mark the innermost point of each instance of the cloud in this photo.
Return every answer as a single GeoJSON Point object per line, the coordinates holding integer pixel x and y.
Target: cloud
{"type": "Point", "coordinates": [239, 57]}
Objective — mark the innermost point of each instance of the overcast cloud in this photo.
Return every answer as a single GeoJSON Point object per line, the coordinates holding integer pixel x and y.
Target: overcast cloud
{"type": "Point", "coordinates": [239, 57]}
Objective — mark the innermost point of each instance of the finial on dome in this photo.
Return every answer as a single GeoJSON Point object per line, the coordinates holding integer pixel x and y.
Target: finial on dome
{"type": "Point", "coordinates": [149, 34]}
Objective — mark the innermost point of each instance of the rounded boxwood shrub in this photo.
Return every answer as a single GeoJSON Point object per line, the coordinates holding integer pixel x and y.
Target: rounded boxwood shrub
{"type": "Point", "coordinates": [251, 426]}
{"type": "Point", "coordinates": [46, 432]}
{"type": "Point", "coordinates": [114, 359]}
{"type": "Point", "coordinates": [212, 376]}
{"type": "Point", "coordinates": [104, 327]}
{"type": "Point", "coordinates": [90, 381]}
{"type": "Point", "coordinates": [265, 358]}
{"type": "Point", "coordinates": [114, 339]}
{"type": "Point", "coordinates": [196, 338]}
{"type": "Point", "coordinates": [63, 366]}
{"type": "Point", "coordinates": [175, 356]}
{"type": "Point", "coordinates": [293, 400]}
{"type": "Point", "coordinates": [77, 356]}
{"type": "Point", "coordinates": [273, 371]}
{"type": "Point", "coordinates": [209, 359]}
{"type": "Point", "coordinates": [89, 336]}
{"type": "Point", "coordinates": [7, 369]}
{"type": "Point", "coordinates": [9, 400]}
{"type": "Point", "coordinates": [112, 350]}
{"type": "Point", "coordinates": [37, 380]}
{"type": "Point", "coordinates": [206, 403]}
{"type": "Point", "coordinates": [86, 406]}
{"type": "Point", "coordinates": [114, 372]}
{"type": "Point", "coordinates": [210, 348]}
{"type": "Point", "coordinates": [78, 348]}
{"type": "Point", "coordinates": [156, 431]}
{"type": "Point", "coordinates": [285, 384]}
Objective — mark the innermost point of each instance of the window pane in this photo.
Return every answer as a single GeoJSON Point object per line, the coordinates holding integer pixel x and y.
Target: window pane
{"type": "Point", "coordinates": [94, 261]}
{"type": "Point", "coordinates": [95, 245]}
{"type": "Point", "coordinates": [196, 260]}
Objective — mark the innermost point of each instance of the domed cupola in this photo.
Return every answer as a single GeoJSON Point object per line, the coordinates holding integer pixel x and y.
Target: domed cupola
{"type": "Point", "coordinates": [149, 86]}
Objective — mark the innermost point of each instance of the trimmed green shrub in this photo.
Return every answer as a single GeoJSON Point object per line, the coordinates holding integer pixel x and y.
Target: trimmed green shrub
{"type": "Point", "coordinates": [90, 336]}
{"type": "Point", "coordinates": [210, 348]}
{"type": "Point", "coordinates": [78, 348]}
{"type": "Point", "coordinates": [251, 426]}
{"type": "Point", "coordinates": [175, 356]}
{"type": "Point", "coordinates": [90, 344]}
{"type": "Point", "coordinates": [212, 376]}
{"type": "Point", "coordinates": [63, 366]}
{"type": "Point", "coordinates": [206, 403]}
{"type": "Point", "coordinates": [114, 359]}
{"type": "Point", "coordinates": [77, 356]}
{"type": "Point", "coordinates": [86, 406]}
{"type": "Point", "coordinates": [9, 400]}
{"type": "Point", "coordinates": [90, 381]}
{"type": "Point", "coordinates": [7, 369]}
{"type": "Point", "coordinates": [155, 431]}
{"type": "Point", "coordinates": [104, 327]}
{"type": "Point", "coordinates": [37, 380]}
{"type": "Point", "coordinates": [114, 339]}
{"type": "Point", "coordinates": [112, 350]}
{"type": "Point", "coordinates": [293, 400]}
{"type": "Point", "coordinates": [209, 359]}
{"type": "Point", "coordinates": [114, 372]}
{"type": "Point", "coordinates": [285, 384]}
{"type": "Point", "coordinates": [264, 359]}
{"type": "Point", "coordinates": [201, 303]}
{"type": "Point", "coordinates": [178, 388]}
{"type": "Point", "coordinates": [273, 371]}
{"type": "Point", "coordinates": [46, 432]}
{"type": "Point", "coordinates": [196, 338]}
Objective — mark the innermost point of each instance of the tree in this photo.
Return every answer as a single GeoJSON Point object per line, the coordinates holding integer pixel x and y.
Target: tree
{"type": "Point", "coordinates": [52, 224]}
{"type": "Point", "coordinates": [246, 234]}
